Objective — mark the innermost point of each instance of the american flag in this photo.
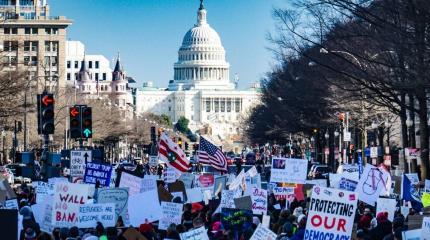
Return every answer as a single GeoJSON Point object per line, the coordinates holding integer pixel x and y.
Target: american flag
{"type": "Point", "coordinates": [212, 155]}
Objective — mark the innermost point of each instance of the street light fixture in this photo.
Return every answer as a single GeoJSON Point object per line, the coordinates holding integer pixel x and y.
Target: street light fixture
{"type": "Point", "coordinates": [409, 122]}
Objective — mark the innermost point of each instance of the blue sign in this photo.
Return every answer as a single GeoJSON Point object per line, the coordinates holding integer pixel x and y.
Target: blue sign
{"type": "Point", "coordinates": [360, 165]}
{"type": "Point", "coordinates": [98, 172]}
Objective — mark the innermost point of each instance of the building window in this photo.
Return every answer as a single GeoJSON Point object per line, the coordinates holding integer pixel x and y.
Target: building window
{"type": "Point", "coordinates": [228, 105]}
{"type": "Point", "coordinates": [223, 105]}
{"type": "Point", "coordinates": [208, 105]}
{"type": "Point", "coordinates": [10, 46]}
{"type": "Point", "coordinates": [238, 103]}
{"type": "Point", "coordinates": [104, 76]}
{"type": "Point", "coordinates": [90, 64]}
{"type": "Point", "coordinates": [34, 31]}
{"type": "Point", "coordinates": [30, 46]}
{"type": "Point", "coordinates": [6, 30]}
{"type": "Point", "coordinates": [76, 64]}
{"type": "Point", "coordinates": [97, 76]}
{"type": "Point", "coordinates": [68, 76]}
{"type": "Point", "coordinates": [216, 104]}
{"type": "Point", "coordinates": [68, 64]}
{"type": "Point", "coordinates": [170, 109]}
{"type": "Point", "coordinates": [48, 31]}
{"type": "Point", "coordinates": [30, 60]}
{"type": "Point", "coordinates": [51, 46]}
{"type": "Point", "coordinates": [97, 64]}
{"type": "Point", "coordinates": [55, 31]}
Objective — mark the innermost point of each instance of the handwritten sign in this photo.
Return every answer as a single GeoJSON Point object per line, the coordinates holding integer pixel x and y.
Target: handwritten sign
{"type": "Point", "coordinates": [372, 182]}
{"type": "Point", "coordinates": [187, 179]}
{"type": "Point", "coordinates": [170, 175]}
{"type": "Point", "coordinates": [98, 172]}
{"type": "Point", "coordinates": [282, 193]}
{"type": "Point", "coordinates": [133, 183]}
{"type": "Point", "coordinates": [263, 233]}
{"type": "Point", "coordinates": [67, 199]}
{"type": "Point", "coordinates": [90, 214]}
{"type": "Point", "coordinates": [151, 210]}
{"type": "Point", "coordinates": [196, 234]}
{"type": "Point", "coordinates": [386, 205]}
{"type": "Point", "coordinates": [117, 196]}
{"type": "Point", "coordinates": [43, 190]}
{"type": "Point", "coordinates": [289, 170]}
{"type": "Point", "coordinates": [329, 205]}
{"type": "Point", "coordinates": [425, 235]}
{"type": "Point", "coordinates": [78, 159]}
{"type": "Point", "coordinates": [259, 201]}
{"type": "Point", "coordinates": [148, 184]}
{"type": "Point", "coordinates": [171, 213]}
{"type": "Point", "coordinates": [227, 199]}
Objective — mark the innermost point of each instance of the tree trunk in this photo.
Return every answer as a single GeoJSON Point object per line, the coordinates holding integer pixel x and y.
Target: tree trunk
{"type": "Point", "coordinates": [404, 129]}
{"type": "Point", "coordinates": [424, 134]}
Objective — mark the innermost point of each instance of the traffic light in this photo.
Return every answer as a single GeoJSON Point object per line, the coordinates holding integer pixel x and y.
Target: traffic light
{"type": "Point", "coordinates": [45, 116]}
{"type": "Point", "coordinates": [87, 122]}
{"type": "Point", "coordinates": [180, 142]}
{"type": "Point", "coordinates": [75, 122]}
{"type": "Point", "coordinates": [153, 137]}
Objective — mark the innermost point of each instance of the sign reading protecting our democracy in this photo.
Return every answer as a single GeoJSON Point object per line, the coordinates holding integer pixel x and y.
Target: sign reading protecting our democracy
{"type": "Point", "coordinates": [331, 214]}
{"type": "Point", "coordinates": [98, 172]}
{"type": "Point", "coordinates": [78, 159]}
{"type": "Point", "coordinates": [197, 234]}
{"type": "Point", "coordinates": [90, 214]}
{"type": "Point", "coordinates": [133, 183]}
{"type": "Point", "coordinates": [263, 233]}
{"type": "Point", "coordinates": [67, 199]}
{"type": "Point", "coordinates": [289, 170]}
{"type": "Point", "coordinates": [259, 201]}
{"type": "Point", "coordinates": [171, 213]}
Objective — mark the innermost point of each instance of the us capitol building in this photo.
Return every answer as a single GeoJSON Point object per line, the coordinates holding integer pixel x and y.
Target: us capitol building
{"type": "Point", "coordinates": [201, 89]}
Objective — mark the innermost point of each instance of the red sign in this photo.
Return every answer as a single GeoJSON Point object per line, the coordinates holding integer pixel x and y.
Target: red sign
{"type": "Point", "coordinates": [206, 180]}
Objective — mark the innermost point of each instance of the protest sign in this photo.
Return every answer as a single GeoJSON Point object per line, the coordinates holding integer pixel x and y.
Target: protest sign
{"type": "Point", "coordinates": [178, 196]}
{"type": "Point", "coordinates": [227, 199]}
{"type": "Point", "coordinates": [238, 181]}
{"type": "Point", "coordinates": [67, 199]}
{"type": "Point", "coordinates": [425, 235]}
{"type": "Point", "coordinates": [288, 170]}
{"type": "Point", "coordinates": [263, 233]}
{"type": "Point", "coordinates": [237, 220]}
{"type": "Point", "coordinates": [163, 194]}
{"type": "Point", "coordinates": [333, 206]}
{"type": "Point", "coordinates": [133, 183]}
{"type": "Point", "coordinates": [207, 195]}
{"type": "Point", "coordinates": [90, 214]}
{"type": "Point", "coordinates": [170, 175]}
{"type": "Point", "coordinates": [317, 182]}
{"type": "Point", "coordinates": [412, 235]}
{"type": "Point", "coordinates": [219, 185]}
{"type": "Point", "coordinates": [78, 159]}
{"type": "Point", "coordinates": [427, 186]}
{"type": "Point", "coordinates": [206, 181]}
{"type": "Point", "coordinates": [98, 172]}
{"type": "Point", "coordinates": [196, 234]}
{"type": "Point", "coordinates": [153, 161]}
{"type": "Point", "coordinates": [252, 172]}
{"type": "Point", "coordinates": [194, 195]}
{"type": "Point", "coordinates": [117, 196]}
{"type": "Point", "coordinates": [266, 221]}
{"type": "Point", "coordinates": [347, 184]}
{"type": "Point", "coordinates": [9, 224]}
{"type": "Point", "coordinates": [413, 177]}
{"type": "Point", "coordinates": [187, 179]}
{"type": "Point", "coordinates": [148, 184]}
{"type": "Point", "coordinates": [46, 215]}
{"type": "Point", "coordinates": [425, 199]}
{"type": "Point", "coordinates": [243, 203]}
{"type": "Point", "coordinates": [177, 186]}
{"type": "Point", "coordinates": [386, 205]}
{"type": "Point", "coordinates": [372, 182]}
{"type": "Point", "coordinates": [259, 201]}
{"type": "Point", "coordinates": [171, 213]}
{"type": "Point", "coordinates": [334, 180]}
{"type": "Point", "coordinates": [282, 193]}
{"type": "Point", "coordinates": [151, 211]}
{"type": "Point", "coordinates": [42, 190]}
{"type": "Point", "coordinates": [38, 210]}
{"type": "Point", "coordinates": [11, 204]}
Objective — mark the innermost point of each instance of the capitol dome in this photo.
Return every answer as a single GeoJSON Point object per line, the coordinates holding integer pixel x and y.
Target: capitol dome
{"type": "Point", "coordinates": [201, 59]}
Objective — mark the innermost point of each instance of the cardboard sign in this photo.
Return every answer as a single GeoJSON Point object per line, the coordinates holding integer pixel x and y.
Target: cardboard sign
{"type": "Point", "coordinates": [90, 214]}
{"type": "Point", "coordinates": [386, 205]}
{"type": "Point", "coordinates": [347, 184]}
{"type": "Point", "coordinates": [78, 160]}
{"type": "Point", "coordinates": [371, 184]}
{"type": "Point", "coordinates": [171, 213]}
{"type": "Point", "coordinates": [187, 179]}
{"type": "Point", "coordinates": [98, 172]}
{"type": "Point", "coordinates": [117, 196]}
{"type": "Point", "coordinates": [196, 234]}
{"type": "Point", "coordinates": [259, 201]}
{"type": "Point", "coordinates": [133, 183]}
{"type": "Point", "coordinates": [151, 211]}
{"type": "Point", "coordinates": [133, 234]}
{"type": "Point", "coordinates": [194, 195]}
{"type": "Point", "coordinates": [43, 190]}
{"type": "Point", "coordinates": [425, 235]}
{"type": "Point", "coordinates": [243, 203]}
{"type": "Point", "coordinates": [289, 170]}
{"type": "Point", "coordinates": [333, 206]}
{"type": "Point", "coordinates": [263, 233]}
{"type": "Point", "coordinates": [67, 199]}
{"type": "Point", "coordinates": [282, 193]}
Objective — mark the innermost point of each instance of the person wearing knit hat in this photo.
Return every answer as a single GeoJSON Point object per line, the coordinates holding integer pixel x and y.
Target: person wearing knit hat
{"type": "Point", "coordinates": [383, 227]}
{"type": "Point", "coordinates": [26, 212]}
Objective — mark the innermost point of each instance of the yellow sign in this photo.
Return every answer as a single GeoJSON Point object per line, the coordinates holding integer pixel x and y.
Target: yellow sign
{"type": "Point", "coordinates": [425, 199]}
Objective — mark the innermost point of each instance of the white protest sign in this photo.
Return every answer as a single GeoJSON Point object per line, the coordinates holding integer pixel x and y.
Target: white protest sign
{"type": "Point", "coordinates": [333, 206]}
{"type": "Point", "coordinates": [252, 172]}
{"type": "Point", "coordinates": [425, 235]}
{"type": "Point", "coordinates": [153, 161]}
{"type": "Point", "coordinates": [374, 152]}
{"type": "Point", "coordinates": [413, 177]}
{"type": "Point", "coordinates": [259, 201]}
{"type": "Point", "coordinates": [117, 196]}
{"type": "Point", "coordinates": [266, 221]}
{"type": "Point", "coordinates": [194, 195]}
{"type": "Point", "coordinates": [67, 199]}
{"type": "Point", "coordinates": [317, 182]}
{"type": "Point", "coordinates": [196, 234]}
{"type": "Point", "coordinates": [334, 179]}
{"type": "Point", "coordinates": [207, 195]}
{"type": "Point", "coordinates": [171, 213]}
{"type": "Point", "coordinates": [427, 186]}
{"type": "Point", "coordinates": [45, 215]}
{"type": "Point", "coordinates": [133, 183]}
{"type": "Point", "coordinates": [90, 214]}
{"type": "Point", "coordinates": [11, 204]}
{"type": "Point", "coordinates": [412, 234]}
{"type": "Point", "coordinates": [151, 211]}
{"type": "Point", "coordinates": [187, 179]}
{"type": "Point", "coordinates": [289, 170]}
{"type": "Point", "coordinates": [239, 181]}
{"type": "Point", "coordinates": [386, 205]}
{"type": "Point", "coordinates": [78, 160]}
{"type": "Point", "coordinates": [227, 199]}
{"type": "Point", "coordinates": [263, 233]}
{"type": "Point", "coordinates": [38, 210]}
{"type": "Point", "coordinates": [170, 175]}
{"type": "Point", "coordinates": [282, 193]}
{"type": "Point", "coordinates": [372, 182]}
{"type": "Point", "coordinates": [43, 190]}
{"type": "Point", "coordinates": [148, 184]}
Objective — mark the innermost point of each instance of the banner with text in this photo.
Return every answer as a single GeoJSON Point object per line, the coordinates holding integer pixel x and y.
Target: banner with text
{"type": "Point", "coordinates": [98, 172]}
{"type": "Point", "coordinates": [289, 170]}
